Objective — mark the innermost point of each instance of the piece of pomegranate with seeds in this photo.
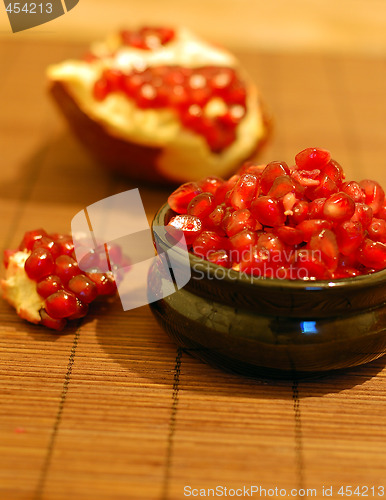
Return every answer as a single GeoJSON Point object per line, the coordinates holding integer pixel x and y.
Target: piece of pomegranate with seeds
{"type": "Point", "coordinates": [302, 222]}
{"type": "Point", "coordinates": [45, 283]}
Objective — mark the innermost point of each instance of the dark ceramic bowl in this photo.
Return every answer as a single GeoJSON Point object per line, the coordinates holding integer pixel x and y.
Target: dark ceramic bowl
{"type": "Point", "coordinates": [273, 327]}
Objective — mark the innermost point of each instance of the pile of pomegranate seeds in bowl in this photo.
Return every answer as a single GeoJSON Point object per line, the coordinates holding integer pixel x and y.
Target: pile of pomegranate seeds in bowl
{"type": "Point", "coordinates": [47, 286]}
{"type": "Point", "coordinates": [305, 222]}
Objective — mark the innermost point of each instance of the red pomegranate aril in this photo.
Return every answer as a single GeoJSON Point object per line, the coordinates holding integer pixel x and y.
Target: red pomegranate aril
{"type": "Point", "coordinates": [219, 257]}
{"type": "Point", "coordinates": [339, 207]}
{"type": "Point", "coordinates": [349, 236]}
{"type": "Point", "coordinates": [268, 211]}
{"type": "Point", "coordinates": [54, 324]}
{"type": "Point", "coordinates": [273, 170]}
{"type": "Point", "coordinates": [84, 288]}
{"type": "Point", "coordinates": [101, 89]}
{"type": "Point", "coordinates": [210, 184]}
{"type": "Point", "coordinates": [334, 172]}
{"type": "Point", "coordinates": [290, 235]}
{"type": "Point", "coordinates": [312, 158]}
{"type": "Point", "coordinates": [238, 221]}
{"type": "Point", "coordinates": [377, 230]}
{"type": "Point", "coordinates": [65, 243]}
{"type": "Point", "coordinates": [311, 226]}
{"type": "Point", "coordinates": [244, 191]}
{"type": "Point", "coordinates": [226, 187]}
{"type": "Point", "coordinates": [190, 225]}
{"type": "Point", "coordinates": [325, 189]}
{"type": "Point", "coordinates": [372, 254]}
{"type": "Point", "coordinates": [354, 190]}
{"type": "Point", "coordinates": [325, 243]}
{"type": "Point", "coordinates": [281, 186]}
{"type": "Point", "coordinates": [240, 243]}
{"type": "Point", "coordinates": [315, 208]}
{"type": "Point", "coordinates": [201, 205]}
{"type": "Point", "coordinates": [363, 214]}
{"type": "Point", "coordinates": [207, 242]}
{"type": "Point", "coordinates": [374, 194]}
{"type": "Point", "coordinates": [30, 238]}
{"type": "Point", "coordinates": [181, 197]}
{"type": "Point", "coordinates": [49, 244]}
{"type": "Point", "coordinates": [48, 286]}
{"type": "Point", "coordinates": [105, 283]}
{"type": "Point", "coordinates": [39, 264]}
{"type": "Point", "coordinates": [381, 214]}
{"type": "Point", "coordinates": [66, 268]}
{"type": "Point", "coordinates": [81, 312]}
{"type": "Point", "coordinates": [299, 212]}
{"type": "Point", "coordinates": [309, 266]}
{"type": "Point", "coordinates": [61, 304]}
{"type": "Point", "coordinates": [214, 220]}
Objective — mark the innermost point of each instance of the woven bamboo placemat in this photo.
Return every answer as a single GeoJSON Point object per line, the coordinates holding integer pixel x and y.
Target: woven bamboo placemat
{"type": "Point", "coordinates": [112, 409]}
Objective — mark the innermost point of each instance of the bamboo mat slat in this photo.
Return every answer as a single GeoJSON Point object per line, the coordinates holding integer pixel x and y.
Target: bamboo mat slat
{"type": "Point", "coordinates": [112, 409]}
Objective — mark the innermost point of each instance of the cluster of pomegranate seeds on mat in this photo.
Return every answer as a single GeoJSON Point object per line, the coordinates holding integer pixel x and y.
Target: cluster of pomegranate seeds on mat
{"type": "Point", "coordinates": [210, 101]}
{"type": "Point", "coordinates": [147, 38]}
{"type": "Point", "coordinates": [66, 290]}
{"type": "Point", "coordinates": [300, 222]}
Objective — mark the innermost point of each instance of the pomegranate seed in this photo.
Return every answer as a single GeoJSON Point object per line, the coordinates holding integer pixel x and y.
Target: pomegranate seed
{"type": "Point", "coordinates": [214, 220]}
{"type": "Point", "coordinates": [299, 212]}
{"type": "Point", "coordinates": [66, 268]}
{"type": "Point", "coordinates": [105, 283]}
{"type": "Point", "coordinates": [315, 208]}
{"type": "Point", "coordinates": [181, 197]}
{"type": "Point", "coordinates": [240, 243]}
{"type": "Point", "coordinates": [325, 243]}
{"type": "Point", "coordinates": [220, 257]}
{"type": "Point", "coordinates": [290, 235]}
{"type": "Point", "coordinates": [354, 190]}
{"type": "Point", "coordinates": [238, 221]}
{"type": "Point", "coordinates": [281, 186]}
{"type": "Point", "coordinates": [208, 242]}
{"type": "Point", "coordinates": [39, 264]}
{"type": "Point", "coordinates": [326, 188]}
{"type": "Point", "coordinates": [312, 158]}
{"type": "Point", "coordinates": [268, 211]}
{"type": "Point", "coordinates": [61, 304]}
{"type": "Point", "coordinates": [190, 225]}
{"type": "Point", "coordinates": [311, 226]}
{"type": "Point", "coordinates": [309, 266]}
{"type": "Point", "coordinates": [339, 207]}
{"type": "Point", "coordinates": [363, 214]}
{"type": "Point", "coordinates": [210, 184]}
{"type": "Point", "coordinates": [244, 191]}
{"type": "Point", "coordinates": [377, 230]}
{"type": "Point", "coordinates": [65, 243]}
{"type": "Point", "coordinates": [48, 286]}
{"type": "Point", "coordinates": [372, 254]}
{"type": "Point", "coordinates": [270, 173]}
{"type": "Point", "coordinates": [349, 236]}
{"type": "Point", "coordinates": [54, 324]}
{"type": "Point", "coordinates": [381, 214]}
{"type": "Point", "coordinates": [374, 194]}
{"type": "Point", "coordinates": [202, 205]}
{"type": "Point", "coordinates": [225, 188]}
{"type": "Point", "coordinates": [30, 238]}
{"type": "Point", "coordinates": [306, 178]}
{"type": "Point", "coordinates": [82, 310]}
{"type": "Point", "coordinates": [101, 89]}
{"type": "Point", "coordinates": [85, 289]}
{"type": "Point", "coordinates": [49, 244]}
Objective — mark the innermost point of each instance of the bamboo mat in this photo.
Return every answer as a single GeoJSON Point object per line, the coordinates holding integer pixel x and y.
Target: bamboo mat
{"type": "Point", "coordinates": [112, 409]}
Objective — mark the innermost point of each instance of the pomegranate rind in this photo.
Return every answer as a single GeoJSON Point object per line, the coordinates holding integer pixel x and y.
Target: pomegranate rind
{"type": "Point", "coordinates": [20, 291]}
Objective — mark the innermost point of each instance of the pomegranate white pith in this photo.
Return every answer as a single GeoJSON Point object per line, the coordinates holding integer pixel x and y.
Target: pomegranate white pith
{"type": "Point", "coordinates": [183, 153]}
{"type": "Point", "coordinates": [20, 291]}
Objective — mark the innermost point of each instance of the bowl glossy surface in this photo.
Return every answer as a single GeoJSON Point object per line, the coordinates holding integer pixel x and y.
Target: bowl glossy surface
{"type": "Point", "coordinates": [272, 327]}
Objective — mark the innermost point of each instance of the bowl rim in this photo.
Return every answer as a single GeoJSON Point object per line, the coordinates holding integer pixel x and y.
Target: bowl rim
{"type": "Point", "coordinates": [232, 276]}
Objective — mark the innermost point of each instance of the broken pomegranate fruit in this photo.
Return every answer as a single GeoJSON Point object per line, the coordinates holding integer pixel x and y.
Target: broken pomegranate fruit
{"type": "Point", "coordinates": [163, 100]}
{"type": "Point", "coordinates": [45, 284]}
{"type": "Point", "coordinates": [299, 222]}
